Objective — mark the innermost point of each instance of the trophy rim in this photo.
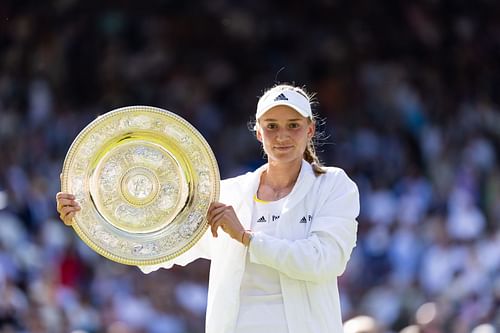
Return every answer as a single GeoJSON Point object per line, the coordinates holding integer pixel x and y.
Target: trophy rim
{"type": "Point", "coordinates": [70, 158]}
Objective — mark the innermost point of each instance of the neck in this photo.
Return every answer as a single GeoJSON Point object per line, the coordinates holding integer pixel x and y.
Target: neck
{"type": "Point", "coordinates": [278, 180]}
{"type": "Point", "coordinates": [281, 175]}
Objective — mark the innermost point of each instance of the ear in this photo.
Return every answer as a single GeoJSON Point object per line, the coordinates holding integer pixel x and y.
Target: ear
{"type": "Point", "coordinates": [258, 132]}
{"type": "Point", "coordinates": [311, 130]}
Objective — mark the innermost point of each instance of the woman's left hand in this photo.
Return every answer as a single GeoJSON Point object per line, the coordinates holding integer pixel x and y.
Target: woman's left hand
{"type": "Point", "coordinates": [224, 216]}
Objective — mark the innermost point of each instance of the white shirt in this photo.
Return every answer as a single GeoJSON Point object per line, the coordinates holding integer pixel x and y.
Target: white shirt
{"type": "Point", "coordinates": [259, 279]}
{"type": "Point", "coordinates": [261, 302]}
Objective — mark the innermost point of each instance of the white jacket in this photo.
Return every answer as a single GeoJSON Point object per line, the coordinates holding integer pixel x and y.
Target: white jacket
{"type": "Point", "coordinates": [309, 256]}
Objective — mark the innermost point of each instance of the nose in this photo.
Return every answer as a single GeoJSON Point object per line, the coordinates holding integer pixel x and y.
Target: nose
{"type": "Point", "coordinates": [282, 135]}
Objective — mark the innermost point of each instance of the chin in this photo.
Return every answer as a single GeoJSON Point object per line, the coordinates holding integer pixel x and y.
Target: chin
{"type": "Point", "coordinates": [278, 158]}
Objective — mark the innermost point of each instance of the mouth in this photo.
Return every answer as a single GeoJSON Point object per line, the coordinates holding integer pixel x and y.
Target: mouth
{"type": "Point", "coordinates": [283, 148]}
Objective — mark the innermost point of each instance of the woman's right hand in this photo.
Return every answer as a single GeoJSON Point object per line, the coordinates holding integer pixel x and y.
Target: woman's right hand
{"type": "Point", "coordinates": [66, 207]}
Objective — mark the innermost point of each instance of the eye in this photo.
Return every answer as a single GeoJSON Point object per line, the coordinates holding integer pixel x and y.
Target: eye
{"type": "Point", "coordinates": [271, 126]}
{"type": "Point", "coordinates": [293, 125]}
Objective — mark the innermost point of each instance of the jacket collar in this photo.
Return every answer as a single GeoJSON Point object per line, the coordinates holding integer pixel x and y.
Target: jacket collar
{"type": "Point", "coordinates": [302, 186]}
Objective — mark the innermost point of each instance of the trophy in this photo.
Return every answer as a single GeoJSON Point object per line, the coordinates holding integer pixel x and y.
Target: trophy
{"type": "Point", "coordinates": [144, 178]}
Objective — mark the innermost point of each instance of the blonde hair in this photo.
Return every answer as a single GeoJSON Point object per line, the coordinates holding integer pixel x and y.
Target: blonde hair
{"type": "Point", "coordinates": [310, 153]}
{"type": "Point", "coordinates": [311, 157]}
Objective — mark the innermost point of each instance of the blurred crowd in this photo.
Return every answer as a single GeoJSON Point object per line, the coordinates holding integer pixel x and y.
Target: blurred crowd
{"type": "Point", "coordinates": [408, 102]}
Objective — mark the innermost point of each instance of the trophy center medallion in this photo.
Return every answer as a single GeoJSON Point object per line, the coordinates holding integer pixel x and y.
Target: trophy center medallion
{"type": "Point", "coordinates": [139, 186]}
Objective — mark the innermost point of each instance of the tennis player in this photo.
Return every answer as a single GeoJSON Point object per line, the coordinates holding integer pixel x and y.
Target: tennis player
{"type": "Point", "coordinates": [280, 236]}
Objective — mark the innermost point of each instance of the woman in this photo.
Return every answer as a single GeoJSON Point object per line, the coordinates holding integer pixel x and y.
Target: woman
{"type": "Point", "coordinates": [280, 236]}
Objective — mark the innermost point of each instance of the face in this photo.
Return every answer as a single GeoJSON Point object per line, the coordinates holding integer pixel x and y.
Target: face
{"type": "Point", "coordinates": [284, 134]}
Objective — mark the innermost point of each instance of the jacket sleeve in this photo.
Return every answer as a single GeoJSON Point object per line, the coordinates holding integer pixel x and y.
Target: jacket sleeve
{"type": "Point", "coordinates": [323, 255]}
{"type": "Point", "coordinates": [200, 250]}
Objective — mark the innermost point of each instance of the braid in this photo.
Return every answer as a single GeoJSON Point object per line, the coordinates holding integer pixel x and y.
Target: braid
{"type": "Point", "coordinates": [311, 157]}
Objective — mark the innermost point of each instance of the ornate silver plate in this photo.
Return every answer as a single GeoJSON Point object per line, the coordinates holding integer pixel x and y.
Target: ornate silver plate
{"type": "Point", "coordinates": [144, 178]}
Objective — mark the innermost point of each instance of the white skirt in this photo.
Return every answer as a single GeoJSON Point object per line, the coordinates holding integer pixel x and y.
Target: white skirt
{"type": "Point", "coordinates": [261, 314]}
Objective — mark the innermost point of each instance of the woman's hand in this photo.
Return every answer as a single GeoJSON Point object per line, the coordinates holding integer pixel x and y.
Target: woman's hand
{"type": "Point", "coordinates": [66, 207]}
{"type": "Point", "coordinates": [224, 216]}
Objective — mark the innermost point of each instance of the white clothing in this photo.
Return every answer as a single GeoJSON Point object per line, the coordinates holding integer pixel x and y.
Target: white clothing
{"type": "Point", "coordinates": [261, 302]}
{"type": "Point", "coordinates": [308, 256]}
{"type": "Point", "coordinates": [262, 314]}
{"type": "Point", "coordinates": [261, 279]}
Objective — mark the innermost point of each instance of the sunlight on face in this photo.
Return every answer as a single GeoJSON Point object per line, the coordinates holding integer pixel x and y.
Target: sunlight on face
{"type": "Point", "coordinates": [284, 134]}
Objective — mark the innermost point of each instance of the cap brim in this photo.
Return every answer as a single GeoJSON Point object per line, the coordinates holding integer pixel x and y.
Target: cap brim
{"type": "Point", "coordinates": [290, 105]}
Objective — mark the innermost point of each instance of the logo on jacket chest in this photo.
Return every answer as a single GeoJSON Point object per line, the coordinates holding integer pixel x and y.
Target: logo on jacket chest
{"type": "Point", "coordinates": [273, 218]}
{"type": "Point", "coordinates": [306, 219]}
{"type": "Point", "coordinates": [269, 218]}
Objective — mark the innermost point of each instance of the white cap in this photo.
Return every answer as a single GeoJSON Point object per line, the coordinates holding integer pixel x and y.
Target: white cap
{"type": "Point", "coordinates": [284, 95]}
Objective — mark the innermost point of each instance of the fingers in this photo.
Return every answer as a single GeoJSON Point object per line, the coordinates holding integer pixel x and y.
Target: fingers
{"type": "Point", "coordinates": [68, 219]}
{"type": "Point", "coordinates": [67, 207]}
{"type": "Point", "coordinates": [215, 211]}
{"type": "Point", "coordinates": [214, 217]}
{"type": "Point", "coordinates": [67, 214]}
{"type": "Point", "coordinates": [219, 216]}
{"type": "Point", "coordinates": [64, 195]}
{"type": "Point", "coordinates": [217, 221]}
{"type": "Point", "coordinates": [224, 216]}
{"type": "Point", "coordinates": [214, 227]}
{"type": "Point", "coordinates": [65, 199]}
{"type": "Point", "coordinates": [215, 205]}
{"type": "Point", "coordinates": [66, 203]}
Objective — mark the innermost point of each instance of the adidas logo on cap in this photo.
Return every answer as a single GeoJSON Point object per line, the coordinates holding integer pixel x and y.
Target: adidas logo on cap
{"type": "Point", "coordinates": [262, 219]}
{"type": "Point", "coordinates": [281, 97]}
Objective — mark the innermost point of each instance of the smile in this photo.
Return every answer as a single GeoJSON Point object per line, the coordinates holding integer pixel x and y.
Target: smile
{"type": "Point", "coordinates": [283, 147]}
